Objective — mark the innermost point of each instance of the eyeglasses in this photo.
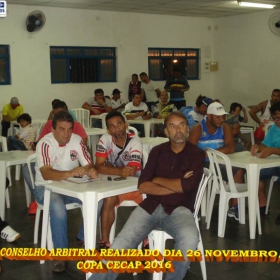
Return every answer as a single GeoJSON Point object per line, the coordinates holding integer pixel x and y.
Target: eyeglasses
{"type": "Point", "coordinates": [275, 119]}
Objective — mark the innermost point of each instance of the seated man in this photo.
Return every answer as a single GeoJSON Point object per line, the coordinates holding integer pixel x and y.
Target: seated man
{"type": "Point", "coordinates": [195, 114]}
{"type": "Point", "coordinates": [233, 121]}
{"type": "Point", "coordinates": [77, 129]}
{"type": "Point", "coordinates": [58, 156]}
{"type": "Point", "coordinates": [161, 110]}
{"type": "Point", "coordinates": [27, 135]}
{"type": "Point", "coordinates": [99, 105]}
{"type": "Point", "coordinates": [56, 103]}
{"type": "Point", "coordinates": [170, 196]}
{"type": "Point", "coordinates": [117, 154]}
{"type": "Point", "coordinates": [10, 112]}
{"type": "Point", "coordinates": [214, 133]}
{"type": "Point", "coordinates": [117, 103]}
{"type": "Point", "coordinates": [269, 146]}
{"type": "Point", "coordinates": [137, 110]}
{"type": "Point", "coordinates": [263, 107]}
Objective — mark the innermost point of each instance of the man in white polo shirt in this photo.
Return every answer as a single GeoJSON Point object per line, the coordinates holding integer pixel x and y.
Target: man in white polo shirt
{"type": "Point", "coordinates": [137, 110]}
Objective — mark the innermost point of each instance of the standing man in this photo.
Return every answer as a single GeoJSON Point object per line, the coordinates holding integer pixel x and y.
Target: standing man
{"type": "Point", "coordinates": [10, 112]}
{"type": "Point", "coordinates": [120, 154]}
{"type": "Point", "coordinates": [214, 133]}
{"type": "Point", "coordinates": [177, 84]}
{"type": "Point", "coordinates": [150, 89]}
{"type": "Point", "coordinates": [137, 110]}
{"type": "Point", "coordinates": [170, 196]}
{"type": "Point", "coordinates": [195, 114]}
{"type": "Point", "coordinates": [99, 105]}
{"type": "Point", "coordinates": [58, 156]}
{"type": "Point", "coordinates": [263, 107]}
{"type": "Point", "coordinates": [269, 146]}
{"type": "Point", "coordinates": [117, 103]}
{"type": "Point", "coordinates": [134, 87]}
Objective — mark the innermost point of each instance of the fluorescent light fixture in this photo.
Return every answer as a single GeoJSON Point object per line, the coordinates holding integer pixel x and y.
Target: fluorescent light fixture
{"type": "Point", "coordinates": [255, 5]}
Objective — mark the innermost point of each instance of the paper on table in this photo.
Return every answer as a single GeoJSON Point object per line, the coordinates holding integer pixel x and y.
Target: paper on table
{"type": "Point", "coordinates": [84, 179]}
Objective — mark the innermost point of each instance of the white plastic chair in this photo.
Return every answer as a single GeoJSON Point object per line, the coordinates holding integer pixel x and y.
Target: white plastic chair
{"type": "Point", "coordinates": [82, 116]}
{"type": "Point", "coordinates": [157, 238]}
{"type": "Point", "coordinates": [126, 203]}
{"type": "Point", "coordinates": [32, 158]}
{"type": "Point", "coordinates": [37, 127]}
{"type": "Point", "coordinates": [103, 116]}
{"type": "Point", "coordinates": [131, 128]}
{"type": "Point", "coordinates": [227, 191]}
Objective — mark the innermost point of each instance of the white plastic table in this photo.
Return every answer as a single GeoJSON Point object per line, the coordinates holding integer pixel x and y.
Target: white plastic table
{"type": "Point", "coordinates": [253, 165]}
{"type": "Point", "coordinates": [148, 124]}
{"type": "Point", "coordinates": [8, 159]}
{"type": "Point", "coordinates": [149, 143]}
{"type": "Point", "coordinates": [89, 194]}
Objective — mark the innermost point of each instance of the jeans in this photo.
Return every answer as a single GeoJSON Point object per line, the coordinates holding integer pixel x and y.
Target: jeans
{"type": "Point", "coordinates": [15, 144]}
{"type": "Point", "coordinates": [180, 225]}
{"type": "Point", "coordinates": [26, 175]}
{"type": "Point", "coordinates": [140, 128]}
{"type": "Point", "coordinates": [58, 215]}
{"type": "Point", "coordinates": [5, 127]}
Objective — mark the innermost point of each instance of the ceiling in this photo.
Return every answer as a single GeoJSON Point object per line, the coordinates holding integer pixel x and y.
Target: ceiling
{"type": "Point", "coordinates": [196, 8]}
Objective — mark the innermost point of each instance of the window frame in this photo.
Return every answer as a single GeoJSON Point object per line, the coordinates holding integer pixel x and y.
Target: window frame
{"type": "Point", "coordinates": [172, 50]}
{"type": "Point", "coordinates": [6, 57]}
{"type": "Point", "coordinates": [68, 57]}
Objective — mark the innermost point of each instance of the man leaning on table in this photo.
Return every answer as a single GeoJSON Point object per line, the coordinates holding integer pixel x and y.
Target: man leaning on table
{"type": "Point", "coordinates": [58, 156]}
{"type": "Point", "coordinates": [171, 193]}
{"type": "Point", "coordinates": [118, 153]}
{"type": "Point", "coordinates": [269, 146]}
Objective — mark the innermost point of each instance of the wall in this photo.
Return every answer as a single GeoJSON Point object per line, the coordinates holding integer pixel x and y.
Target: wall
{"type": "Point", "coordinates": [248, 55]}
{"type": "Point", "coordinates": [131, 33]}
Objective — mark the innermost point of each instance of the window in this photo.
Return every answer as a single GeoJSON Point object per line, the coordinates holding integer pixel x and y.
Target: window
{"type": "Point", "coordinates": [162, 61]}
{"type": "Point", "coordinates": [82, 64]}
{"type": "Point", "coordinates": [5, 77]}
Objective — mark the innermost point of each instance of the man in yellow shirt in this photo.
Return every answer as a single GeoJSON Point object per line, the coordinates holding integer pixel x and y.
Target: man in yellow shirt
{"type": "Point", "coordinates": [10, 112]}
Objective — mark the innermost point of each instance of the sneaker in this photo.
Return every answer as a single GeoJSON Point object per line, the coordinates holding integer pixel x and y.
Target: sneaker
{"type": "Point", "coordinates": [9, 234]}
{"type": "Point", "coordinates": [103, 245]}
{"type": "Point", "coordinates": [80, 242]}
{"type": "Point", "coordinates": [233, 212]}
{"type": "Point", "coordinates": [32, 208]}
{"type": "Point", "coordinates": [59, 266]}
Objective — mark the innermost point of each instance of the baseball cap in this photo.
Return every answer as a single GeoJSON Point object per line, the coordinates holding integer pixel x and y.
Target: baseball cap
{"type": "Point", "coordinates": [207, 101]}
{"type": "Point", "coordinates": [116, 91]}
{"type": "Point", "coordinates": [216, 109]}
{"type": "Point", "coordinates": [14, 101]}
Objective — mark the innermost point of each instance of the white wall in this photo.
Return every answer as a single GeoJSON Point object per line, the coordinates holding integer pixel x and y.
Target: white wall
{"type": "Point", "coordinates": [131, 33]}
{"type": "Point", "coordinates": [249, 57]}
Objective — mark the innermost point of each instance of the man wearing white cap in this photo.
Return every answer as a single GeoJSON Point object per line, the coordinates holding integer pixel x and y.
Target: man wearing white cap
{"type": "Point", "coordinates": [10, 112]}
{"type": "Point", "coordinates": [214, 133]}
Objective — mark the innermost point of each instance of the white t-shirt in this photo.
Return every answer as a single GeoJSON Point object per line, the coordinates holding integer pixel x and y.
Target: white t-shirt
{"type": "Point", "coordinates": [62, 158]}
{"type": "Point", "coordinates": [116, 104]}
{"type": "Point", "coordinates": [131, 155]}
{"type": "Point", "coordinates": [150, 91]}
{"type": "Point", "coordinates": [131, 109]}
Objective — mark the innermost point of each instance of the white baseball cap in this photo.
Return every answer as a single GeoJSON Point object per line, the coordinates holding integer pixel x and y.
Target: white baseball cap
{"type": "Point", "coordinates": [217, 109]}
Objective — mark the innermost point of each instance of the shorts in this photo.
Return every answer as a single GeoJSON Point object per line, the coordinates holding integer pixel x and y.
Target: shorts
{"type": "Point", "coordinates": [135, 196]}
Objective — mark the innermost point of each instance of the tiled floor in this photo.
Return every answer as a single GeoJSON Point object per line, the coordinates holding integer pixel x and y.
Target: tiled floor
{"type": "Point", "coordinates": [236, 238]}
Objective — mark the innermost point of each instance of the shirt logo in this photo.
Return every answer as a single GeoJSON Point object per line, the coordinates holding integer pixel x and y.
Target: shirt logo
{"type": "Point", "coordinates": [125, 156]}
{"type": "Point", "coordinates": [73, 155]}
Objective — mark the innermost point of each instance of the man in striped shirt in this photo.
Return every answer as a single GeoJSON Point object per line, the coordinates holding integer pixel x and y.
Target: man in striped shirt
{"type": "Point", "coordinates": [58, 155]}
